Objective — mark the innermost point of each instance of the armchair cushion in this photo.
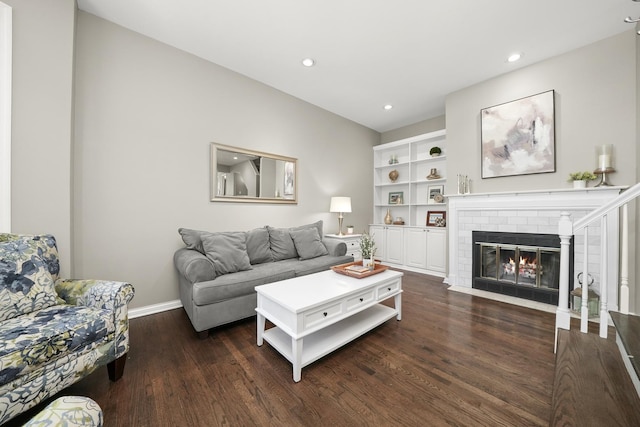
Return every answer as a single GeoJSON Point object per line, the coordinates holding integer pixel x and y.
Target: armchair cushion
{"type": "Point", "coordinates": [25, 282]}
{"type": "Point", "coordinates": [42, 245]}
{"type": "Point", "coordinates": [42, 337]}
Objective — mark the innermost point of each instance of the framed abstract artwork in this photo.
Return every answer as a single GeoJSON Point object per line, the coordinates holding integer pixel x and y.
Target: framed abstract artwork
{"type": "Point", "coordinates": [518, 137]}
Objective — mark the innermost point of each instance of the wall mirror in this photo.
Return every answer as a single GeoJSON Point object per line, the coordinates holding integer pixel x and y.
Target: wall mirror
{"type": "Point", "coordinates": [239, 175]}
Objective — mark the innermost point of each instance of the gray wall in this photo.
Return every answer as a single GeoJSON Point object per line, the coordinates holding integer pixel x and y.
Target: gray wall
{"type": "Point", "coordinates": [145, 115]}
{"type": "Point", "coordinates": [595, 103]}
{"type": "Point", "coordinates": [429, 125]}
{"type": "Point", "coordinates": [42, 119]}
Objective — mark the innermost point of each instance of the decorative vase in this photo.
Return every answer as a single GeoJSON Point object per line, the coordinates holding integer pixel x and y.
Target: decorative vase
{"type": "Point", "coordinates": [393, 175]}
{"type": "Point", "coordinates": [579, 184]}
{"type": "Point", "coordinates": [368, 262]}
{"type": "Point", "coordinates": [349, 230]}
{"type": "Point", "coordinates": [388, 219]}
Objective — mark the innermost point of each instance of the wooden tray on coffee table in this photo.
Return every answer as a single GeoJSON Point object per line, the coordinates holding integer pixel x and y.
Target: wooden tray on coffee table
{"type": "Point", "coordinates": [344, 269]}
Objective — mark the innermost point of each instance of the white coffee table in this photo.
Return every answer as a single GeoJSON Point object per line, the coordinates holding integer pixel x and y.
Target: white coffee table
{"type": "Point", "coordinates": [318, 313]}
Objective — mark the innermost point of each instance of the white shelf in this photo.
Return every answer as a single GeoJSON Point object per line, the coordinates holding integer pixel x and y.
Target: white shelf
{"type": "Point", "coordinates": [332, 337]}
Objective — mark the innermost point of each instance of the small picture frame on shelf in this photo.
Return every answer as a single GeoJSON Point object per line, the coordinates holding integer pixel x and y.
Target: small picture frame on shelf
{"type": "Point", "coordinates": [436, 219]}
{"type": "Point", "coordinates": [435, 194]}
{"type": "Point", "coordinates": [395, 198]}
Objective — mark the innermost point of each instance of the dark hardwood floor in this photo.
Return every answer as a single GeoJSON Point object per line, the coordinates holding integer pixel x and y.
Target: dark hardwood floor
{"type": "Point", "coordinates": [454, 360]}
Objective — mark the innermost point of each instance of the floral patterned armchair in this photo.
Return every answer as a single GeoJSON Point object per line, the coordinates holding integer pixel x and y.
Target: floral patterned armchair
{"type": "Point", "coordinates": [53, 332]}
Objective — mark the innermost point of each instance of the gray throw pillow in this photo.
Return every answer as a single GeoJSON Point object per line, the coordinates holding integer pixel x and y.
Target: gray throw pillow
{"type": "Point", "coordinates": [192, 239]}
{"type": "Point", "coordinates": [317, 225]}
{"type": "Point", "coordinates": [308, 243]}
{"type": "Point", "coordinates": [227, 251]}
{"type": "Point", "coordinates": [258, 247]}
{"type": "Point", "coordinates": [282, 246]}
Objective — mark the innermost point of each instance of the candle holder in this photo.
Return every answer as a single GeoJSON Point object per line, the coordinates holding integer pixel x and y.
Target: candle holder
{"type": "Point", "coordinates": [603, 177]}
{"type": "Point", "coordinates": [604, 153]}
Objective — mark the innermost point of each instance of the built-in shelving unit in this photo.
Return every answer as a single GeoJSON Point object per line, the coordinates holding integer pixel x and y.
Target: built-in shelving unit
{"type": "Point", "coordinates": [412, 245]}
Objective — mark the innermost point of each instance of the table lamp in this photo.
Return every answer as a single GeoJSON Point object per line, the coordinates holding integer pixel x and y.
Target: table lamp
{"type": "Point", "coordinates": [340, 205]}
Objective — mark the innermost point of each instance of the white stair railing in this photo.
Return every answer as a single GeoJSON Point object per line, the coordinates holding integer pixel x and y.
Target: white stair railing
{"type": "Point", "coordinates": [567, 229]}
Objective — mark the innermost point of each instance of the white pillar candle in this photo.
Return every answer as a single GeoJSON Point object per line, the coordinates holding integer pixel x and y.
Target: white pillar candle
{"type": "Point", "coordinates": [604, 156]}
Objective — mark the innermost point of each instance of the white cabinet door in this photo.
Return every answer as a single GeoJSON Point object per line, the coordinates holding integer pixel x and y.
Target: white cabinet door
{"type": "Point", "coordinates": [377, 232]}
{"type": "Point", "coordinates": [437, 249]}
{"type": "Point", "coordinates": [395, 244]}
{"type": "Point", "coordinates": [416, 249]}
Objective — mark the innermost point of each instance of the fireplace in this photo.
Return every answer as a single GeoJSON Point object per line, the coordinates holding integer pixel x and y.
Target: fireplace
{"type": "Point", "coordinates": [524, 265]}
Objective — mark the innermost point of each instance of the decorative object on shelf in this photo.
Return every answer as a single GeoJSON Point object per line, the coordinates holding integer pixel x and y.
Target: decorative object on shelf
{"type": "Point", "coordinates": [433, 174]}
{"type": "Point", "coordinates": [435, 151]}
{"type": "Point", "coordinates": [605, 166]}
{"type": "Point", "coordinates": [398, 221]}
{"type": "Point", "coordinates": [396, 198]}
{"type": "Point", "coordinates": [393, 159]}
{"type": "Point", "coordinates": [349, 229]}
{"type": "Point", "coordinates": [368, 249]}
{"type": "Point", "coordinates": [393, 175]}
{"type": "Point", "coordinates": [438, 198]}
{"type": "Point", "coordinates": [340, 205]}
{"type": "Point", "coordinates": [388, 219]}
{"type": "Point", "coordinates": [464, 184]}
{"type": "Point", "coordinates": [436, 219]}
{"type": "Point", "coordinates": [518, 137]}
{"type": "Point", "coordinates": [433, 191]}
{"type": "Point", "coordinates": [580, 179]}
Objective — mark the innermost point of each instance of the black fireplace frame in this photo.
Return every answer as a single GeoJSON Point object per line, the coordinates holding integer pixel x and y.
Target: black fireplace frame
{"type": "Point", "coordinates": [543, 295]}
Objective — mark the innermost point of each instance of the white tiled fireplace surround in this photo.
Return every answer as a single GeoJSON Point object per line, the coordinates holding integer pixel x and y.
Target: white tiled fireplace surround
{"type": "Point", "coordinates": [535, 211]}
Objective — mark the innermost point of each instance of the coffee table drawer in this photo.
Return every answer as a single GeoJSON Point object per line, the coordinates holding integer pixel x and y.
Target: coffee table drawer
{"type": "Point", "coordinates": [360, 300]}
{"type": "Point", "coordinates": [322, 314]}
{"type": "Point", "coordinates": [389, 289]}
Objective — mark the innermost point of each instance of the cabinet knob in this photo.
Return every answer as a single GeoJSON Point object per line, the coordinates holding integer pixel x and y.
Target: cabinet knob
{"type": "Point", "coordinates": [388, 289]}
{"type": "Point", "coordinates": [324, 314]}
{"type": "Point", "coordinates": [361, 299]}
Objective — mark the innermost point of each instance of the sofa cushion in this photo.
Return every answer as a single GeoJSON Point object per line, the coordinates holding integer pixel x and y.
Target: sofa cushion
{"type": "Point", "coordinates": [191, 238]}
{"type": "Point", "coordinates": [42, 337]}
{"type": "Point", "coordinates": [241, 283]}
{"type": "Point", "coordinates": [227, 251]}
{"type": "Point", "coordinates": [318, 225]}
{"type": "Point", "coordinates": [258, 247]}
{"type": "Point", "coordinates": [25, 282]}
{"type": "Point", "coordinates": [314, 265]}
{"type": "Point", "coordinates": [308, 243]}
{"type": "Point", "coordinates": [282, 246]}
{"type": "Point", "coordinates": [43, 245]}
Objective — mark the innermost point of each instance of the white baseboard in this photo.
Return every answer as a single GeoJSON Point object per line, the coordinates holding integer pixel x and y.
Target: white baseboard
{"type": "Point", "coordinates": [153, 309]}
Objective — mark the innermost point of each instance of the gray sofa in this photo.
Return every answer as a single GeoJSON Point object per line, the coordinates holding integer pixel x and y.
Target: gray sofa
{"type": "Point", "coordinates": [218, 272]}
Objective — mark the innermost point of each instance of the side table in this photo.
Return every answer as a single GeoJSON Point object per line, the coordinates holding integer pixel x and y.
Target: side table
{"type": "Point", "coordinates": [353, 244]}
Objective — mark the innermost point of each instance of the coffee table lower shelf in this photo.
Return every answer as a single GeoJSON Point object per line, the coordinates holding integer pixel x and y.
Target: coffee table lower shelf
{"type": "Point", "coordinates": [330, 338]}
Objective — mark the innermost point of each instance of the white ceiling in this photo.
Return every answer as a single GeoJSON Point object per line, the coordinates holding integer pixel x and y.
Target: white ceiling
{"type": "Point", "coordinates": [408, 53]}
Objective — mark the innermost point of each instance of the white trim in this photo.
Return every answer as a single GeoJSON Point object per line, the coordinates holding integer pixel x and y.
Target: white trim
{"type": "Point", "coordinates": [5, 116]}
{"type": "Point", "coordinates": [154, 309]}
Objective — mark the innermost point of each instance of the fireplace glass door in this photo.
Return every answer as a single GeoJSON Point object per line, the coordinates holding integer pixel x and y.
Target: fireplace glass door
{"type": "Point", "coordinates": [520, 265]}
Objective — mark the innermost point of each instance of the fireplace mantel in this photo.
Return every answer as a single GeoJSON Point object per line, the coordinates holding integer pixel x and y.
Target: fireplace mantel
{"type": "Point", "coordinates": [531, 211]}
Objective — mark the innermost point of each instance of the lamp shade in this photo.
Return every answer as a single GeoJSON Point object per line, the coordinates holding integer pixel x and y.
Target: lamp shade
{"type": "Point", "coordinates": [340, 204]}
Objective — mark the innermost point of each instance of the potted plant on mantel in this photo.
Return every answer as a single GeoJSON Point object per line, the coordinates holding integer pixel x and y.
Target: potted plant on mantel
{"type": "Point", "coordinates": [580, 179]}
{"type": "Point", "coordinates": [368, 249]}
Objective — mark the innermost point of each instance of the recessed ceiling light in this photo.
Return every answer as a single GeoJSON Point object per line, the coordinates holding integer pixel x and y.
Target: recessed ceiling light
{"type": "Point", "coordinates": [308, 62]}
{"type": "Point", "coordinates": [514, 57]}
{"type": "Point", "coordinates": [388, 107]}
